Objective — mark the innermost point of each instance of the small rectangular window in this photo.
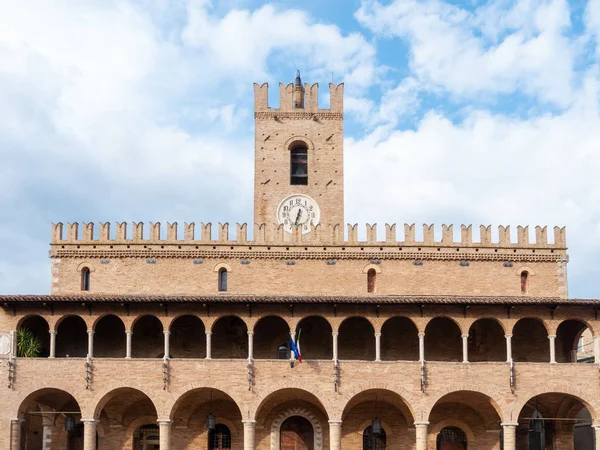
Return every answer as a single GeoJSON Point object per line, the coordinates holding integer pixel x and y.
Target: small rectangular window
{"type": "Point", "coordinates": [299, 165]}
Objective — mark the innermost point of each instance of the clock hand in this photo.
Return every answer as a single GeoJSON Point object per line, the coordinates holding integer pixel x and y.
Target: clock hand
{"type": "Point", "coordinates": [298, 216]}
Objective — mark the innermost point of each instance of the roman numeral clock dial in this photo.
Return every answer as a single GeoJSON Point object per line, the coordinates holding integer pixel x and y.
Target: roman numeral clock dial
{"type": "Point", "coordinates": [298, 210]}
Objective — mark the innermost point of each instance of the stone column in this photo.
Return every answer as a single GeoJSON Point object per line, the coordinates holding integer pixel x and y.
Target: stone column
{"type": "Point", "coordinates": [250, 345]}
{"type": "Point", "coordinates": [421, 346]}
{"type": "Point", "coordinates": [465, 346]}
{"type": "Point", "coordinates": [597, 349]}
{"type": "Point", "coordinates": [509, 433]}
{"type": "Point", "coordinates": [15, 433]}
{"type": "Point", "coordinates": [89, 434]}
{"type": "Point", "coordinates": [208, 345]}
{"type": "Point", "coordinates": [52, 344]}
{"type": "Point", "coordinates": [128, 346]}
{"type": "Point", "coordinates": [90, 343]}
{"type": "Point", "coordinates": [421, 431]}
{"type": "Point", "coordinates": [165, 433]}
{"type": "Point", "coordinates": [167, 351]}
{"type": "Point", "coordinates": [335, 434]}
{"type": "Point", "coordinates": [508, 347]}
{"type": "Point", "coordinates": [335, 345]}
{"type": "Point", "coordinates": [249, 427]}
{"type": "Point", "coordinates": [597, 436]}
{"type": "Point", "coordinates": [552, 339]}
{"type": "Point", "coordinates": [377, 346]}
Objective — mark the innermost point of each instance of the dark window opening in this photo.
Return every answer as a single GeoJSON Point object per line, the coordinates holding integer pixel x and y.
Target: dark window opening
{"type": "Point", "coordinates": [85, 279]}
{"type": "Point", "coordinates": [222, 280]}
{"type": "Point", "coordinates": [524, 282]}
{"type": "Point", "coordinates": [299, 165]}
{"type": "Point", "coordinates": [371, 277]}
{"type": "Point", "coordinates": [220, 437]}
{"type": "Point", "coordinates": [374, 441]}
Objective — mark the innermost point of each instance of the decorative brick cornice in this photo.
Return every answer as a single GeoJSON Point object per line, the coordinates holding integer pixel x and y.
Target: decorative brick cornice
{"type": "Point", "coordinates": [292, 115]}
{"type": "Point", "coordinates": [294, 254]}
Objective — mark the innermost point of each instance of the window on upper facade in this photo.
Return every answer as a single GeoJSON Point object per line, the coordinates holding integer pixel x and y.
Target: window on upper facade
{"type": "Point", "coordinates": [299, 165]}
{"type": "Point", "coordinates": [371, 278]}
{"type": "Point", "coordinates": [85, 279]}
{"type": "Point", "coordinates": [222, 279]}
{"type": "Point", "coordinates": [524, 282]}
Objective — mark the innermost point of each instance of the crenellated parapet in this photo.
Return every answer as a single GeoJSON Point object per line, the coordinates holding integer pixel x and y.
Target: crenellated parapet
{"type": "Point", "coordinates": [286, 106]}
{"type": "Point", "coordinates": [270, 233]}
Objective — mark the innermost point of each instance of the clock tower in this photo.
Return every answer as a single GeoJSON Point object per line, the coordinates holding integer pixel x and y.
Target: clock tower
{"type": "Point", "coordinates": [299, 157]}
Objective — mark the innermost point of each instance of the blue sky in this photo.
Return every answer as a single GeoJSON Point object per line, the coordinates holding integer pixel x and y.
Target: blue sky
{"type": "Point", "coordinates": [456, 112]}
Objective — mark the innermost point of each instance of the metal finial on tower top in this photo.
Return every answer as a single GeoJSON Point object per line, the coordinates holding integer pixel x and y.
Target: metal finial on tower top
{"type": "Point", "coordinates": [298, 80]}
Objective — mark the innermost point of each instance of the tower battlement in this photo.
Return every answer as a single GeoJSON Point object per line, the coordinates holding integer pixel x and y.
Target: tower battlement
{"type": "Point", "coordinates": [272, 233]}
{"type": "Point", "coordinates": [286, 99]}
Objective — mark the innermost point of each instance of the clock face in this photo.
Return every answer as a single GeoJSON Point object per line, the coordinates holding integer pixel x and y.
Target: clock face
{"type": "Point", "coordinates": [299, 210]}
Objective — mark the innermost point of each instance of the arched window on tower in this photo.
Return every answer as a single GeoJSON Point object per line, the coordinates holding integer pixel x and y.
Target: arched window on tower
{"type": "Point", "coordinates": [524, 282]}
{"type": "Point", "coordinates": [371, 278]}
{"type": "Point", "coordinates": [299, 165]}
{"type": "Point", "coordinates": [85, 279]}
{"type": "Point", "coordinates": [222, 279]}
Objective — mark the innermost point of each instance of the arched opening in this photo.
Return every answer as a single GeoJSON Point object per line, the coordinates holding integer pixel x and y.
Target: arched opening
{"type": "Point", "coordinates": [269, 334]}
{"type": "Point", "coordinates": [486, 341]}
{"type": "Point", "coordinates": [524, 282]}
{"type": "Point", "coordinates": [109, 338]}
{"type": "Point", "coordinates": [277, 407]}
{"type": "Point", "coordinates": [451, 438]}
{"type": "Point", "coordinates": [356, 340]}
{"type": "Point", "coordinates": [391, 412]}
{"type": "Point", "coordinates": [33, 338]}
{"type": "Point", "coordinates": [371, 279]}
{"type": "Point", "coordinates": [374, 441]}
{"type": "Point", "coordinates": [196, 410]}
{"type": "Point", "coordinates": [296, 433]}
{"type": "Point", "coordinates": [530, 341]}
{"type": "Point", "coordinates": [229, 338]}
{"type": "Point", "coordinates": [399, 340]}
{"type": "Point", "coordinates": [316, 338]}
{"type": "Point", "coordinates": [146, 437]}
{"type": "Point", "coordinates": [463, 417]}
{"type": "Point", "coordinates": [72, 338]}
{"type": "Point", "coordinates": [148, 339]}
{"type": "Point", "coordinates": [555, 420]}
{"type": "Point", "coordinates": [128, 417]}
{"type": "Point", "coordinates": [85, 279]}
{"type": "Point", "coordinates": [188, 338]}
{"type": "Point", "coordinates": [219, 438]}
{"type": "Point", "coordinates": [574, 342]}
{"type": "Point", "coordinates": [443, 340]}
{"type": "Point", "coordinates": [299, 164]}
{"type": "Point", "coordinates": [52, 417]}
{"type": "Point", "coordinates": [222, 279]}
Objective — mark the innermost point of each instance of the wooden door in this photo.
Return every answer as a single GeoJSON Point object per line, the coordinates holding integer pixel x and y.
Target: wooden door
{"type": "Point", "coordinates": [296, 434]}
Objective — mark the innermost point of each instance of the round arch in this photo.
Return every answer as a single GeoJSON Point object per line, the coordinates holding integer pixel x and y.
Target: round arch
{"type": "Point", "coordinates": [396, 389]}
{"type": "Point", "coordinates": [495, 400]}
{"type": "Point", "coordinates": [299, 390]}
{"type": "Point", "coordinates": [399, 339]}
{"type": "Point", "coordinates": [593, 406]}
{"type": "Point", "coordinates": [220, 266]}
{"type": "Point", "coordinates": [95, 407]}
{"type": "Point", "coordinates": [439, 426]}
{"type": "Point", "coordinates": [443, 341]}
{"type": "Point", "coordinates": [100, 317]}
{"type": "Point", "coordinates": [291, 142]}
{"type": "Point", "coordinates": [375, 267]}
{"type": "Point", "coordinates": [316, 337]}
{"type": "Point", "coordinates": [291, 412]}
{"type": "Point", "coordinates": [22, 401]}
{"type": "Point", "coordinates": [170, 406]}
{"type": "Point", "coordinates": [356, 339]}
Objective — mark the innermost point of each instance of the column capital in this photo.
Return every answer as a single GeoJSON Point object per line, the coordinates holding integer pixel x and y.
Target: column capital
{"type": "Point", "coordinates": [421, 423]}
{"type": "Point", "coordinates": [421, 335]}
{"type": "Point", "coordinates": [509, 424]}
{"type": "Point", "coordinates": [377, 334]}
{"type": "Point", "coordinates": [166, 332]}
{"type": "Point", "coordinates": [53, 332]}
{"type": "Point", "coordinates": [250, 333]}
{"type": "Point", "coordinates": [551, 336]}
{"type": "Point", "coordinates": [208, 333]}
{"type": "Point", "coordinates": [17, 421]}
{"type": "Point", "coordinates": [90, 332]}
{"type": "Point", "coordinates": [129, 332]}
{"type": "Point", "coordinates": [335, 422]}
{"type": "Point", "coordinates": [164, 421]}
{"type": "Point", "coordinates": [508, 336]}
{"type": "Point", "coordinates": [464, 336]}
{"type": "Point", "coordinates": [249, 422]}
{"type": "Point", "coordinates": [89, 420]}
{"type": "Point", "coordinates": [335, 333]}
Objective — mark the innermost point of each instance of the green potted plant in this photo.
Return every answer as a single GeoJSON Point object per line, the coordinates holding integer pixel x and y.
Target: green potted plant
{"type": "Point", "coordinates": [28, 344]}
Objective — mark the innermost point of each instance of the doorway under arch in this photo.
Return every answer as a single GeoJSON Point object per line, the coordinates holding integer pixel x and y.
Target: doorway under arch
{"type": "Point", "coordinates": [296, 433]}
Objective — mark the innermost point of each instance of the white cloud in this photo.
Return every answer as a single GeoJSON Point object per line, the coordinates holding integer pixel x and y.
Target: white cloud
{"type": "Point", "coordinates": [469, 53]}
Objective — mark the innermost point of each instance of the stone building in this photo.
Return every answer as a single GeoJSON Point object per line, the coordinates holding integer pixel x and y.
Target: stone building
{"type": "Point", "coordinates": [180, 339]}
